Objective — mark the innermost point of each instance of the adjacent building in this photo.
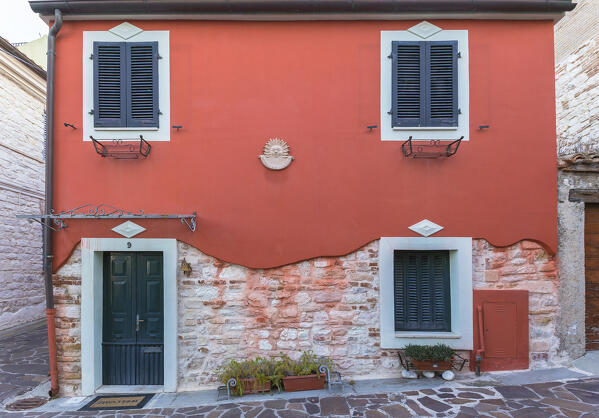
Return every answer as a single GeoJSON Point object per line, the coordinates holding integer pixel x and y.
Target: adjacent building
{"type": "Point", "coordinates": [250, 178]}
{"type": "Point", "coordinates": [22, 102]}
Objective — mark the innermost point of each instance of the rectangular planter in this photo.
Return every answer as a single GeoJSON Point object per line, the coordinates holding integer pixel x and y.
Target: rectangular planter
{"type": "Point", "coordinates": [309, 382]}
{"type": "Point", "coordinates": [251, 385]}
{"type": "Point", "coordinates": [431, 365]}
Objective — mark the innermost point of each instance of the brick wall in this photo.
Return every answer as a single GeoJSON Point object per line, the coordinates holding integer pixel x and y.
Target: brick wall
{"type": "Point", "coordinates": [328, 305]}
{"type": "Point", "coordinates": [21, 191]}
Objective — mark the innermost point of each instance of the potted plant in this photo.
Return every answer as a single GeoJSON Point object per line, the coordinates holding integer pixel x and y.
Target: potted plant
{"type": "Point", "coordinates": [252, 376]}
{"type": "Point", "coordinates": [430, 357]}
{"type": "Point", "coordinates": [302, 374]}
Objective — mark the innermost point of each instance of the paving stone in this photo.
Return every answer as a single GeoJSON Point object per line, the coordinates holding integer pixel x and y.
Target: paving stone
{"type": "Point", "coordinates": [564, 394]}
{"type": "Point", "coordinates": [591, 386]}
{"type": "Point", "coordinates": [417, 409]}
{"type": "Point", "coordinates": [588, 397]}
{"type": "Point", "coordinates": [428, 392]}
{"type": "Point", "coordinates": [499, 402]}
{"type": "Point", "coordinates": [433, 404]}
{"type": "Point", "coordinates": [479, 390]}
{"type": "Point", "coordinates": [252, 412]}
{"type": "Point", "coordinates": [396, 411]}
{"type": "Point", "coordinates": [313, 400]}
{"type": "Point", "coordinates": [497, 414]}
{"type": "Point", "coordinates": [466, 411]}
{"type": "Point", "coordinates": [543, 389]}
{"type": "Point", "coordinates": [357, 402]}
{"type": "Point", "coordinates": [411, 393]}
{"type": "Point", "coordinates": [289, 413]}
{"type": "Point", "coordinates": [459, 401]}
{"type": "Point", "coordinates": [445, 390]}
{"type": "Point", "coordinates": [232, 413]}
{"type": "Point", "coordinates": [312, 409]}
{"type": "Point", "coordinates": [562, 403]}
{"type": "Point", "coordinates": [373, 413]}
{"type": "Point", "coordinates": [267, 413]}
{"type": "Point", "coordinates": [334, 406]}
{"type": "Point", "coordinates": [515, 392]}
{"type": "Point", "coordinates": [530, 412]}
{"type": "Point", "coordinates": [446, 395]}
{"type": "Point", "coordinates": [470, 395]}
{"type": "Point", "coordinates": [276, 404]}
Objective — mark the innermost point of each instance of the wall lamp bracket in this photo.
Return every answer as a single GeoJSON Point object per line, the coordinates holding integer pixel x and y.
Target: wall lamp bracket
{"type": "Point", "coordinates": [481, 127]}
{"type": "Point", "coordinates": [177, 127]}
{"type": "Point", "coordinates": [371, 127]}
{"type": "Point", "coordinates": [69, 125]}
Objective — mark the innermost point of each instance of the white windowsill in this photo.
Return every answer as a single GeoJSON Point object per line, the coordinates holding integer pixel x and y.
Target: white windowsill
{"type": "Point", "coordinates": [427, 335]}
{"type": "Point", "coordinates": [426, 128]}
{"type": "Point", "coordinates": [125, 129]}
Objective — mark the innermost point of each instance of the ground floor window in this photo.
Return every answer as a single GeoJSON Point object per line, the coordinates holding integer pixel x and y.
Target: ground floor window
{"type": "Point", "coordinates": [421, 291]}
{"type": "Point", "coordinates": [425, 291]}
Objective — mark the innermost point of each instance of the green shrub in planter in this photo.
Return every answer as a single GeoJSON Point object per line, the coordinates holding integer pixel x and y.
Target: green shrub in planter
{"type": "Point", "coordinates": [438, 352]}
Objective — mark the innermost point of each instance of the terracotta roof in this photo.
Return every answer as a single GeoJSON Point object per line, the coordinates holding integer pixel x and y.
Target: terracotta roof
{"type": "Point", "coordinates": [579, 162]}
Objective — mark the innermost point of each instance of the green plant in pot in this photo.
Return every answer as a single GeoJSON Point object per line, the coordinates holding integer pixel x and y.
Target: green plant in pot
{"type": "Point", "coordinates": [430, 357]}
{"type": "Point", "coordinates": [303, 373]}
{"type": "Point", "coordinates": [252, 376]}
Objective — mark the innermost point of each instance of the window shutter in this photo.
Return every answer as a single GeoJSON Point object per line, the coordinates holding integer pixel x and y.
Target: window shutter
{"type": "Point", "coordinates": [442, 83]}
{"type": "Point", "coordinates": [408, 67]}
{"type": "Point", "coordinates": [109, 84]}
{"type": "Point", "coordinates": [421, 290]}
{"type": "Point", "coordinates": [142, 84]}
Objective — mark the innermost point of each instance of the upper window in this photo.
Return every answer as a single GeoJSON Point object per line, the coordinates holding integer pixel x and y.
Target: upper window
{"type": "Point", "coordinates": [424, 84]}
{"type": "Point", "coordinates": [424, 87]}
{"type": "Point", "coordinates": [125, 84]}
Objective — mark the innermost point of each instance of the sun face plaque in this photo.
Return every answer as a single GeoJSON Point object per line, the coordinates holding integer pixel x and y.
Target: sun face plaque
{"type": "Point", "coordinates": [276, 155]}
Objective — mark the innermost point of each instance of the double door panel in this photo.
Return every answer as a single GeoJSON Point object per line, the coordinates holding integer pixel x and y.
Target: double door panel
{"type": "Point", "coordinates": [133, 319]}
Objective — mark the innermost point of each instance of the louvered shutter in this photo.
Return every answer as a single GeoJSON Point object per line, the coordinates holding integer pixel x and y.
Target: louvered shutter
{"type": "Point", "coordinates": [408, 64]}
{"type": "Point", "coordinates": [442, 91]}
{"type": "Point", "coordinates": [142, 84]}
{"type": "Point", "coordinates": [421, 291]}
{"type": "Point", "coordinates": [109, 84]}
{"type": "Point", "coordinates": [424, 84]}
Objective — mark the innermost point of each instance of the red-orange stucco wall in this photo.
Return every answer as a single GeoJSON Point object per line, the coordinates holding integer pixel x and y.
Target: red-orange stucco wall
{"type": "Point", "coordinates": [316, 85]}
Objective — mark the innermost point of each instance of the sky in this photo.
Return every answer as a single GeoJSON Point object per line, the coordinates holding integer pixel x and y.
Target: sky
{"type": "Point", "coordinates": [18, 23]}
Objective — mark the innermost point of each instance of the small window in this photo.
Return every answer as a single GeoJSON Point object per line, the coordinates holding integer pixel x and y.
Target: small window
{"type": "Point", "coordinates": [424, 84]}
{"type": "Point", "coordinates": [125, 84]}
{"type": "Point", "coordinates": [421, 291]}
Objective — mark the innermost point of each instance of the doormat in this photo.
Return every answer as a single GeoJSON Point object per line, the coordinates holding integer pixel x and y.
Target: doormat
{"type": "Point", "coordinates": [117, 402]}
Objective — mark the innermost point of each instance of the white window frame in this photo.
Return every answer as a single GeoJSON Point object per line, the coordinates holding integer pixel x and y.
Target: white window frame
{"type": "Point", "coordinates": [388, 132]}
{"type": "Point", "coordinates": [163, 132]}
{"type": "Point", "coordinates": [460, 288]}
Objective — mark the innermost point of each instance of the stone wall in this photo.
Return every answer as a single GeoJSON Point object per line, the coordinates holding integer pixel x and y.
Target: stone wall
{"type": "Point", "coordinates": [577, 89]}
{"type": "Point", "coordinates": [576, 27]}
{"type": "Point", "coordinates": [21, 191]}
{"type": "Point", "coordinates": [328, 305]}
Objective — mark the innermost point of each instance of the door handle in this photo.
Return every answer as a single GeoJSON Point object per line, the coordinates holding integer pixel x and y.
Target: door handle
{"type": "Point", "coordinates": [138, 323]}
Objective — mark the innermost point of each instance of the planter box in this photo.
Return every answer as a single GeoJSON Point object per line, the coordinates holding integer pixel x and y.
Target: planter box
{"type": "Point", "coordinates": [432, 366]}
{"type": "Point", "coordinates": [250, 386]}
{"type": "Point", "coordinates": [309, 382]}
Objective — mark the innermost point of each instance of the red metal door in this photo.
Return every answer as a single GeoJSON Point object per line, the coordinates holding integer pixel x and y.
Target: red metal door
{"type": "Point", "coordinates": [501, 329]}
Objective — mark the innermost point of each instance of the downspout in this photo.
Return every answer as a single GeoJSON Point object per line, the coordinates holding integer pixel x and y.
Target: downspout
{"type": "Point", "coordinates": [50, 311]}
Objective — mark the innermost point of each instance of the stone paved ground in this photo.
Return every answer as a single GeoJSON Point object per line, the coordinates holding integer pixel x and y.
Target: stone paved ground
{"type": "Point", "coordinates": [574, 398]}
{"type": "Point", "coordinates": [23, 360]}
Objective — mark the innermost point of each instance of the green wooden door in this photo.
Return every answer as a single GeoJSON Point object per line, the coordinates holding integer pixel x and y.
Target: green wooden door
{"type": "Point", "coordinates": [133, 319]}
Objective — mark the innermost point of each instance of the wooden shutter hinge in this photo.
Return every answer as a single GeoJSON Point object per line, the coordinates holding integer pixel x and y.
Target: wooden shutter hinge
{"type": "Point", "coordinates": [91, 112]}
{"type": "Point", "coordinates": [159, 57]}
{"type": "Point", "coordinates": [389, 112]}
{"type": "Point", "coordinates": [459, 111]}
{"type": "Point", "coordinates": [459, 55]}
{"type": "Point", "coordinates": [91, 56]}
{"type": "Point", "coordinates": [390, 56]}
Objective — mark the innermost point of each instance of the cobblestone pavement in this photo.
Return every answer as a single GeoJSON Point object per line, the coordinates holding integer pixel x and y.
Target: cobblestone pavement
{"type": "Point", "coordinates": [575, 398]}
{"type": "Point", "coordinates": [23, 360]}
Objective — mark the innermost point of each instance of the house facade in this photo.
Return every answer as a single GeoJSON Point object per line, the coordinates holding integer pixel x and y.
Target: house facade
{"type": "Point", "coordinates": [22, 101]}
{"type": "Point", "coordinates": [248, 178]}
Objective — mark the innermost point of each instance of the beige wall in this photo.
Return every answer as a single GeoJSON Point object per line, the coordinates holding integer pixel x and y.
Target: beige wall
{"type": "Point", "coordinates": [576, 27]}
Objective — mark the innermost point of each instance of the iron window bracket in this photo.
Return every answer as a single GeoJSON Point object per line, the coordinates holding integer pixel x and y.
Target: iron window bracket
{"type": "Point", "coordinates": [103, 211]}
{"type": "Point", "coordinates": [430, 148]}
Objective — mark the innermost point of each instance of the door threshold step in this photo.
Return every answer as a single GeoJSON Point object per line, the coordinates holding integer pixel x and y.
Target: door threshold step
{"type": "Point", "coordinates": [122, 389]}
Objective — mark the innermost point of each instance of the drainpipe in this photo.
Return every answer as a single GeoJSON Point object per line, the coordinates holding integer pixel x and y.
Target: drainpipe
{"type": "Point", "coordinates": [50, 311]}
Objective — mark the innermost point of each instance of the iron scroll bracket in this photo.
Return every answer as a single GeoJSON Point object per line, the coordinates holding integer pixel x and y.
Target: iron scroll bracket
{"type": "Point", "coordinates": [103, 211]}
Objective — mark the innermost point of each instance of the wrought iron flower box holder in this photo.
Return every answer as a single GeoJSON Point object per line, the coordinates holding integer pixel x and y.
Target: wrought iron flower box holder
{"type": "Point", "coordinates": [123, 149]}
{"type": "Point", "coordinates": [433, 148]}
{"type": "Point", "coordinates": [103, 211]}
{"type": "Point", "coordinates": [457, 363]}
